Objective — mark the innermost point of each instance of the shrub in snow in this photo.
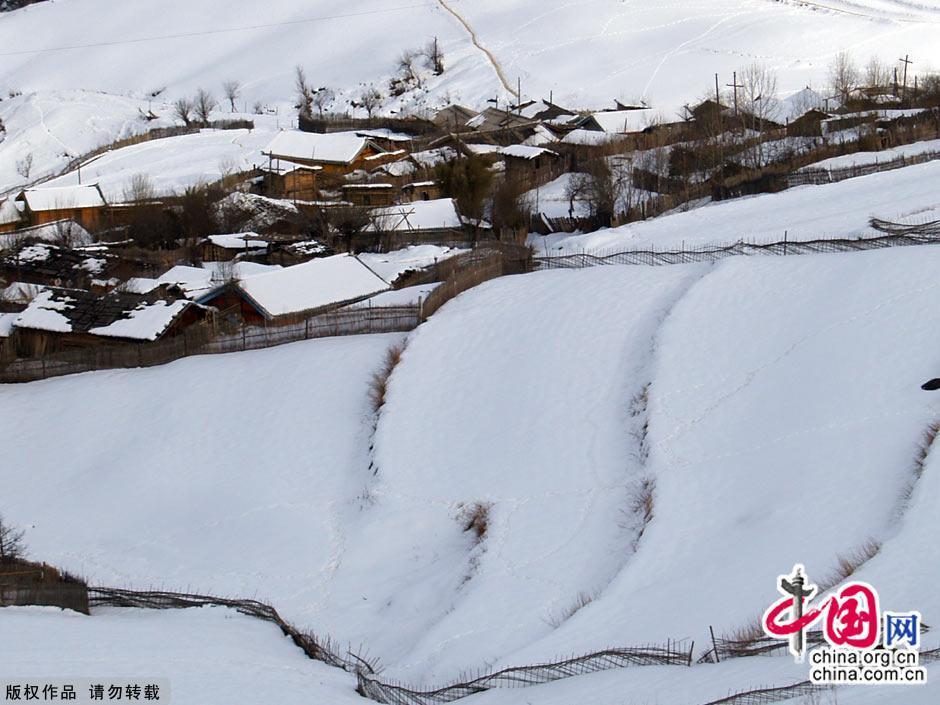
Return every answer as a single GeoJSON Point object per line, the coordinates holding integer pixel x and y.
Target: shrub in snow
{"type": "Point", "coordinates": [378, 385]}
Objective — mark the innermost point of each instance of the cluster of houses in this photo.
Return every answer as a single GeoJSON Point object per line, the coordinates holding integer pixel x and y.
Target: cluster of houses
{"type": "Point", "coordinates": [68, 279]}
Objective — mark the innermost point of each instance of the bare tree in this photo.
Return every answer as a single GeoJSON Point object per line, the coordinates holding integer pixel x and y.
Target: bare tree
{"type": "Point", "coordinates": [304, 92]}
{"type": "Point", "coordinates": [183, 109]}
{"type": "Point", "coordinates": [232, 90]}
{"type": "Point", "coordinates": [759, 92]}
{"type": "Point", "coordinates": [139, 189]}
{"type": "Point", "coordinates": [322, 98]}
{"type": "Point", "coordinates": [877, 73]}
{"type": "Point", "coordinates": [12, 546]}
{"type": "Point", "coordinates": [408, 67]}
{"type": "Point", "coordinates": [204, 104]}
{"type": "Point", "coordinates": [606, 190]}
{"type": "Point", "coordinates": [370, 100]}
{"type": "Point", "coordinates": [434, 56]}
{"type": "Point", "coordinates": [24, 166]}
{"type": "Point", "coordinates": [843, 76]}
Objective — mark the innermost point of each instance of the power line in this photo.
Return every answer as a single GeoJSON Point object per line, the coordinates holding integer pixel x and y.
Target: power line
{"type": "Point", "coordinates": [203, 33]}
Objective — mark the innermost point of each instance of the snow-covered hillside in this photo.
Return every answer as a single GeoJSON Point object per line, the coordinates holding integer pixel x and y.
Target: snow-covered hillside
{"type": "Point", "coordinates": [590, 51]}
{"type": "Point", "coordinates": [84, 67]}
{"type": "Point", "coordinates": [629, 433]}
{"type": "Point", "coordinates": [839, 210]}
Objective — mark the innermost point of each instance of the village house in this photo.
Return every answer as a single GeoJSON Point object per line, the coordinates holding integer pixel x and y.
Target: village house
{"type": "Point", "coordinates": [289, 294]}
{"type": "Point", "coordinates": [51, 265]}
{"type": "Point", "coordinates": [531, 166]}
{"type": "Point", "coordinates": [369, 195]}
{"type": "Point", "coordinates": [85, 205]}
{"type": "Point", "coordinates": [60, 319]}
{"type": "Point", "coordinates": [222, 248]}
{"type": "Point", "coordinates": [419, 222]}
{"type": "Point", "coordinates": [290, 181]}
{"type": "Point", "coordinates": [420, 191]}
{"type": "Point", "coordinates": [336, 153]}
{"type": "Point", "coordinates": [11, 215]}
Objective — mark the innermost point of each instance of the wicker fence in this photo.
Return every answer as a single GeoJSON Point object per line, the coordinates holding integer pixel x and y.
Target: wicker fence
{"type": "Point", "coordinates": [370, 686]}
{"type": "Point", "coordinates": [201, 340]}
{"type": "Point", "coordinates": [711, 254]}
{"type": "Point", "coordinates": [672, 654]}
{"type": "Point", "coordinates": [831, 176]}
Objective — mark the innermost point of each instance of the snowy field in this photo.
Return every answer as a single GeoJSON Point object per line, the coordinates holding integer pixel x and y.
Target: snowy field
{"type": "Point", "coordinates": [235, 474]}
{"type": "Point", "coordinates": [544, 399]}
{"type": "Point", "coordinates": [886, 155]}
{"type": "Point", "coordinates": [840, 210]}
{"type": "Point", "coordinates": [207, 656]}
{"type": "Point", "coordinates": [173, 163]}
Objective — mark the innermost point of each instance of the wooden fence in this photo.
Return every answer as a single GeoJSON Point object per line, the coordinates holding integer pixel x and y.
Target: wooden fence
{"type": "Point", "coordinates": [200, 340]}
{"type": "Point", "coordinates": [831, 176]}
{"type": "Point", "coordinates": [673, 653]}
{"type": "Point", "coordinates": [784, 247]}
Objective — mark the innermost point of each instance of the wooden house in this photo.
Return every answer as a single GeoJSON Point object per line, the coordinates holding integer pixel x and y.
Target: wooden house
{"type": "Point", "coordinates": [369, 195]}
{"type": "Point", "coordinates": [290, 294]}
{"type": "Point", "coordinates": [420, 191]}
{"type": "Point", "coordinates": [11, 215]}
{"type": "Point", "coordinates": [453, 118]}
{"type": "Point", "coordinates": [809, 124]}
{"type": "Point", "coordinates": [223, 248]}
{"type": "Point", "coordinates": [531, 166]}
{"type": "Point", "coordinates": [336, 153]}
{"type": "Point", "coordinates": [418, 222]}
{"type": "Point", "coordinates": [60, 319]}
{"type": "Point", "coordinates": [284, 179]}
{"type": "Point", "coordinates": [45, 264]}
{"type": "Point", "coordinates": [85, 205]}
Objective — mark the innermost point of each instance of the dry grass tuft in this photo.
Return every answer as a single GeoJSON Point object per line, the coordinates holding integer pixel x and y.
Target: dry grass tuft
{"type": "Point", "coordinates": [848, 564]}
{"type": "Point", "coordinates": [581, 601]}
{"type": "Point", "coordinates": [475, 518]}
{"type": "Point", "coordinates": [378, 385]}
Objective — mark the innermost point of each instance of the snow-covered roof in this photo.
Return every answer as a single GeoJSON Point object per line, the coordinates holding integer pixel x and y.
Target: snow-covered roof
{"type": "Point", "coordinates": [366, 186]}
{"type": "Point", "coordinates": [483, 148]}
{"type": "Point", "coordinates": [524, 151]}
{"type": "Point", "coordinates": [433, 157]}
{"type": "Point", "coordinates": [238, 241]}
{"type": "Point", "coordinates": [623, 121]}
{"type": "Point", "coordinates": [194, 281]}
{"type": "Point", "coordinates": [588, 137]}
{"type": "Point", "coordinates": [6, 324]}
{"type": "Point", "coordinates": [62, 198]}
{"type": "Point", "coordinates": [331, 147]}
{"type": "Point", "coordinates": [9, 212]}
{"type": "Point", "coordinates": [385, 134]}
{"type": "Point", "coordinates": [147, 321]}
{"type": "Point", "coordinates": [409, 296]}
{"type": "Point", "coordinates": [540, 136]}
{"type": "Point", "coordinates": [312, 285]}
{"type": "Point", "coordinates": [438, 214]}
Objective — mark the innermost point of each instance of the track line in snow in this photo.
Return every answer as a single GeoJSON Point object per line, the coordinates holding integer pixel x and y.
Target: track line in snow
{"type": "Point", "coordinates": [494, 62]}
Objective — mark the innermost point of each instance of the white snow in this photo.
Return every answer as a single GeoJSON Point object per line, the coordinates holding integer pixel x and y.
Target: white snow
{"type": "Point", "coordinates": [172, 164]}
{"type": "Point", "coordinates": [409, 296]}
{"type": "Point", "coordinates": [312, 285]}
{"type": "Point", "coordinates": [238, 241]}
{"type": "Point", "coordinates": [437, 214]}
{"type": "Point", "coordinates": [333, 147]}
{"type": "Point", "coordinates": [886, 155]}
{"type": "Point", "coordinates": [44, 313]}
{"type": "Point", "coordinates": [209, 655]}
{"type": "Point", "coordinates": [63, 197]}
{"type": "Point", "coordinates": [188, 465]}
{"type": "Point", "coordinates": [523, 151]}
{"type": "Point", "coordinates": [391, 265]}
{"type": "Point", "coordinates": [840, 210]}
{"type": "Point", "coordinates": [6, 324]}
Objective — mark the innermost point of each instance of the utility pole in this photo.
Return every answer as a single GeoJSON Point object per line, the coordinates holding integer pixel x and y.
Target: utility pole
{"type": "Point", "coordinates": [906, 61]}
{"type": "Point", "coordinates": [734, 85]}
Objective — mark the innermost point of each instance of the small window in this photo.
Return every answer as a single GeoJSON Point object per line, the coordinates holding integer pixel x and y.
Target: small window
{"type": "Point", "coordinates": [366, 200]}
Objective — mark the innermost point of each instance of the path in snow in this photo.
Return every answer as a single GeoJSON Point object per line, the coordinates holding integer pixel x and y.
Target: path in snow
{"type": "Point", "coordinates": [494, 62]}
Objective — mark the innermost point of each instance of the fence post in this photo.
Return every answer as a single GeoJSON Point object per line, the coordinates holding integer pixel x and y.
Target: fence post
{"type": "Point", "coordinates": [714, 644]}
